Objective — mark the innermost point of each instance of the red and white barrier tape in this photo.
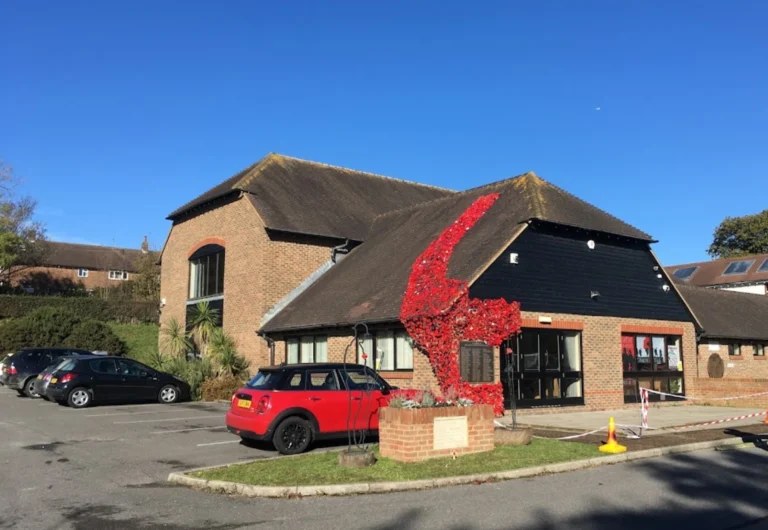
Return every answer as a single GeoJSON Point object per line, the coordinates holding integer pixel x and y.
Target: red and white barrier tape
{"type": "Point", "coordinates": [686, 398]}
{"type": "Point", "coordinates": [644, 408]}
{"type": "Point", "coordinates": [735, 418]}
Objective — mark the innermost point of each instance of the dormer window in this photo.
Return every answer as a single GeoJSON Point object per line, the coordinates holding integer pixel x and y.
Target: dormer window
{"type": "Point", "coordinates": [763, 266]}
{"type": "Point", "coordinates": [684, 273]}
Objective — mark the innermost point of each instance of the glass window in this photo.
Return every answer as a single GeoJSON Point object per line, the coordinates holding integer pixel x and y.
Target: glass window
{"type": "Point", "coordinates": [763, 266]}
{"type": "Point", "coordinates": [82, 273]}
{"type": "Point", "coordinates": [359, 379]}
{"type": "Point", "coordinates": [759, 350]}
{"type": "Point", "coordinates": [264, 381]}
{"type": "Point", "coordinates": [365, 347]}
{"type": "Point", "coordinates": [738, 267]}
{"type": "Point", "coordinates": [571, 352]}
{"type": "Point", "coordinates": [734, 349]}
{"type": "Point", "coordinates": [387, 350]}
{"type": "Point", "coordinates": [404, 351]}
{"type": "Point", "coordinates": [106, 366]}
{"type": "Point", "coordinates": [117, 275]}
{"type": "Point", "coordinates": [654, 362]}
{"type": "Point", "coordinates": [322, 380]}
{"type": "Point", "coordinates": [550, 351]}
{"type": "Point", "coordinates": [206, 272]}
{"type": "Point", "coordinates": [129, 368]}
{"type": "Point", "coordinates": [294, 381]}
{"type": "Point", "coordinates": [684, 273]}
{"type": "Point", "coordinates": [643, 348]}
{"type": "Point", "coordinates": [306, 349]}
{"type": "Point", "coordinates": [529, 351]}
{"type": "Point", "coordinates": [659, 354]}
{"type": "Point", "coordinates": [292, 354]}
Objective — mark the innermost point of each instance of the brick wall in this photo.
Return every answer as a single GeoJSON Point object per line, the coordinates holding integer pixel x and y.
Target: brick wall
{"type": "Point", "coordinates": [746, 365]}
{"type": "Point", "coordinates": [408, 435]}
{"type": "Point", "coordinates": [260, 268]}
{"type": "Point", "coordinates": [733, 387]}
{"type": "Point", "coordinates": [96, 278]}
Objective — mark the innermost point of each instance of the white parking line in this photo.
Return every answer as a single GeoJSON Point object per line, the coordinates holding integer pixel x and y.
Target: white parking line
{"type": "Point", "coordinates": [126, 413]}
{"type": "Point", "coordinates": [220, 443]}
{"type": "Point", "coordinates": [169, 419]}
{"type": "Point", "coordinates": [187, 430]}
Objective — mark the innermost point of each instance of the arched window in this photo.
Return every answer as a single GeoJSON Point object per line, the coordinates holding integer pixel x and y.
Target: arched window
{"type": "Point", "coordinates": [206, 272]}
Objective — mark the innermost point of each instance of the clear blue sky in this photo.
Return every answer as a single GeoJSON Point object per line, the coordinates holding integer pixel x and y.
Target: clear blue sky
{"type": "Point", "coordinates": [115, 113]}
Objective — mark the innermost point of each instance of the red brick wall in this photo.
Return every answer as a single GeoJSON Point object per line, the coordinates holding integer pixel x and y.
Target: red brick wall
{"type": "Point", "coordinates": [746, 365]}
{"type": "Point", "coordinates": [259, 270]}
{"type": "Point", "coordinates": [96, 278]}
{"type": "Point", "coordinates": [408, 435]}
{"type": "Point", "coordinates": [733, 387]}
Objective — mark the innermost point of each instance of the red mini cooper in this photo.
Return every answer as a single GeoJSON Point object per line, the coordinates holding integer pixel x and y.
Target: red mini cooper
{"type": "Point", "coordinates": [293, 405]}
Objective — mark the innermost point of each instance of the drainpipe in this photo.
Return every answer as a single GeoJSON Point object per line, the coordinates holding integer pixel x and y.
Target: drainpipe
{"type": "Point", "coordinates": [271, 344]}
{"type": "Point", "coordinates": [341, 249]}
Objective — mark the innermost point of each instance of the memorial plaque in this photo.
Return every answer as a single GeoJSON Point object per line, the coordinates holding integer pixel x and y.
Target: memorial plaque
{"type": "Point", "coordinates": [450, 433]}
{"type": "Point", "coordinates": [476, 362]}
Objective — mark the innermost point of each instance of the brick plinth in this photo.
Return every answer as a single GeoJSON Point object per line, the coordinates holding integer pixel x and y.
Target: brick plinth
{"type": "Point", "coordinates": [408, 435]}
{"type": "Point", "coordinates": [707, 388]}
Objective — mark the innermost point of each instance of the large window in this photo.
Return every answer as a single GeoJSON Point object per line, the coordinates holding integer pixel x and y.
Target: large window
{"type": "Point", "coordinates": [764, 266]}
{"type": "Point", "coordinates": [734, 349]}
{"type": "Point", "coordinates": [738, 267]}
{"type": "Point", "coordinates": [684, 273]}
{"type": "Point", "coordinates": [115, 275]}
{"type": "Point", "coordinates": [544, 366]}
{"type": "Point", "coordinates": [654, 362]}
{"type": "Point", "coordinates": [387, 351]}
{"type": "Point", "coordinates": [306, 349]}
{"type": "Point", "coordinates": [206, 272]}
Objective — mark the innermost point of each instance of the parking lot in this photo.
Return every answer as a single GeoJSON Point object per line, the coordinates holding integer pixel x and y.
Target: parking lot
{"type": "Point", "coordinates": [65, 455]}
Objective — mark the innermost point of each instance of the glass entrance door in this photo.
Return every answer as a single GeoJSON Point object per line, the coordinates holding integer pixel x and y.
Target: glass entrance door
{"type": "Point", "coordinates": [543, 368]}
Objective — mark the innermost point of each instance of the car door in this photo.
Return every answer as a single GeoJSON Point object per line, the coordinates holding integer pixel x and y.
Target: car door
{"type": "Point", "coordinates": [138, 381]}
{"type": "Point", "coordinates": [366, 397]}
{"type": "Point", "coordinates": [326, 400]}
{"type": "Point", "coordinates": [106, 383]}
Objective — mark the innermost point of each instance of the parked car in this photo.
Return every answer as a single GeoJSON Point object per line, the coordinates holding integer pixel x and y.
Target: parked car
{"type": "Point", "coordinates": [25, 365]}
{"type": "Point", "coordinates": [4, 362]}
{"type": "Point", "coordinates": [83, 381]}
{"type": "Point", "coordinates": [294, 405]}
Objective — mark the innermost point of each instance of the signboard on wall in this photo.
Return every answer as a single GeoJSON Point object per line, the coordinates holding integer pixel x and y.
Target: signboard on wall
{"type": "Point", "coordinates": [476, 362]}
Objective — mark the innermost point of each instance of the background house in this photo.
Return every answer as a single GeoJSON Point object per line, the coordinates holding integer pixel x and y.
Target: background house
{"type": "Point", "coordinates": [93, 266]}
{"type": "Point", "coordinates": [747, 274]}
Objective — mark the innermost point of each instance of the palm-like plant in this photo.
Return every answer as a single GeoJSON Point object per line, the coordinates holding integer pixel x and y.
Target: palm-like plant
{"type": "Point", "coordinates": [175, 341]}
{"type": "Point", "coordinates": [205, 322]}
{"type": "Point", "coordinates": [223, 351]}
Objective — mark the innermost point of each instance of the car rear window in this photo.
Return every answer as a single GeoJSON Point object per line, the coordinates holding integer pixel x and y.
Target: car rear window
{"type": "Point", "coordinates": [67, 366]}
{"type": "Point", "coordinates": [264, 381]}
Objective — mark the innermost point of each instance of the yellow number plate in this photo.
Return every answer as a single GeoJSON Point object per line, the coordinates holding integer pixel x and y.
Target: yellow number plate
{"type": "Point", "coordinates": [244, 403]}
{"type": "Point", "coordinates": [53, 381]}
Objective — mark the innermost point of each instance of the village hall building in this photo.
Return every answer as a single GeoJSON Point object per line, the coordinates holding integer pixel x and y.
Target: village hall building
{"type": "Point", "coordinates": [295, 253]}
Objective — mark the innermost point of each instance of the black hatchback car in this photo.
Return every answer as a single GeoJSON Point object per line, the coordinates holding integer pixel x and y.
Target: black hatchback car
{"type": "Point", "coordinates": [22, 369]}
{"type": "Point", "coordinates": [83, 381]}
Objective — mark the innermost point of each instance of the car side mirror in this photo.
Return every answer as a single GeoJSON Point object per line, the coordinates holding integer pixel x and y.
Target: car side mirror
{"type": "Point", "coordinates": [143, 374]}
{"type": "Point", "coordinates": [385, 391]}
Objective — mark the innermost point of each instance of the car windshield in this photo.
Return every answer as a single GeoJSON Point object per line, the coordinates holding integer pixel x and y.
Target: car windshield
{"type": "Point", "coordinates": [264, 381]}
{"type": "Point", "coordinates": [56, 367]}
{"type": "Point", "coordinates": [67, 365]}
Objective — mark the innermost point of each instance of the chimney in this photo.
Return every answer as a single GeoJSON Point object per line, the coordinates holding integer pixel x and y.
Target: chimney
{"type": "Point", "coordinates": [145, 245]}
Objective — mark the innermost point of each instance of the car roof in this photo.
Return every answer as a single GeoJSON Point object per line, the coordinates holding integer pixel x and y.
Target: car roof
{"type": "Point", "coordinates": [51, 348]}
{"type": "Point", "coordinates": [310, 366]}
{"type": "Point", "coordinates": [93, 357]}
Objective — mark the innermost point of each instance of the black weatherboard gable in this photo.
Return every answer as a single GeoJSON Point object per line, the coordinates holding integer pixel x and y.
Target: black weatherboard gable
{"type": "Point", "coordinates": [558, 273]}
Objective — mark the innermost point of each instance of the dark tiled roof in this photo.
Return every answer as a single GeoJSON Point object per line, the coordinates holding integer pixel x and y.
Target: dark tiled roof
{"type": "Point", "coordinates": [299, 196]}
{"type": "Point", "coordinates": [728, 314]}
{"type": "Point", "coordinates": [93, 257]}
{"type": "Point", "coordinates": [368, 285]}
{"type": "Point", "coordinates": [711, 272]}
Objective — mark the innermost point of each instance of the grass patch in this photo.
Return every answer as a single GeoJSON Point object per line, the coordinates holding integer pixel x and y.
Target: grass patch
{"type": "Point", "coordinates": [322, 468]}
{"type": "Point", "coordinates": [140, 339]}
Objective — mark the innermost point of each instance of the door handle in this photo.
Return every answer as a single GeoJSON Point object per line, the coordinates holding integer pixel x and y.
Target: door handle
{"type": "Point", "coordinates": [315, 399]}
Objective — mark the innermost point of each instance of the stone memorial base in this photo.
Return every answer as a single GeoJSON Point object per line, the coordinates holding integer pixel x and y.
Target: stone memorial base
{"type": "Point", "coordinates": [519, 436]}
{"type": "Point", "coordinates": [413, 435]}
{"type": "Point", "coordinates": [356, 458]}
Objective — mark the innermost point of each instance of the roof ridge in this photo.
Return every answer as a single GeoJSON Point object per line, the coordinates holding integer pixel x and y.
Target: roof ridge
{"type": "Point", "coordinates": [368, 173]}
{"type": "Point", "coordinates": [100, 247]}
{"type": "Point", "coordinates": [732, 258]}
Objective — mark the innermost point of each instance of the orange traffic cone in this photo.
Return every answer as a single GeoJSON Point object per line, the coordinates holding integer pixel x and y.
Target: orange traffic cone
{"type": "Point", "coordinates": [612, 445]}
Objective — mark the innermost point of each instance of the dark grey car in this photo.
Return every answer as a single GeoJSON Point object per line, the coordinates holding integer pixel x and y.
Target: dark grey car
{"type": "Point", "coordinates": [25, 365]}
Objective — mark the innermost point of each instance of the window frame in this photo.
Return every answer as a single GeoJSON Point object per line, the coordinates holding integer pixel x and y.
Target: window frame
{"type": "Point", "coordinates": [653, 373]}
{"type": "Point", "coordinates": [688, 276]}
{"type": "Point", "coordinates": [758, 346]}
{"type": "Point", "coordinates": [298, 338]}
{"type": "Point", "coordinates": [113, 273]}
{"type": "Point", "coordinates": [82, 273]}
{"type": "Point", "coordinates": [734, 349]}
{"type": "Point", "coordinates": [374, 354]}
{"type": "Point", "coordinates": [763, 266]}
{"type": "Point", "coordinates": [749, 262]}
{"type": "Point", "coordinates": [200, 291]}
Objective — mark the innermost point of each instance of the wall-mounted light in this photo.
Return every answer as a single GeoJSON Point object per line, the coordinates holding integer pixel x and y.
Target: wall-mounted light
{"type": "Point", "coordinates": [659, 276]}
{"type": "Point", "coordinates": [594, 295]}
{"type": "Point", "coordinates": [591, 245]}
{"type": "Point", "coordinates": [665, 288]}
{"type": "Point", "coordinates": [513, 258]}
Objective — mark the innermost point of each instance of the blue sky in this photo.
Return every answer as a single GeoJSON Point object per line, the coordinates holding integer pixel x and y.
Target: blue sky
{"type": "Point", "coordinates": [115, 113]}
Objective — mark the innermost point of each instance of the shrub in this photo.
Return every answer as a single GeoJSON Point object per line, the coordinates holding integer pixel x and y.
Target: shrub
{"type": "Point", "coordinates": [15, 335]}
{"type": "Point", "coordinates": [128, 311]}
{"type": "Point", "coordinates": [223, 351]}
{"type": "Point", "coordinates": [194, 372]}
{"type": "Point", "coordinates": [44, 327]}
{"type": "Point", "coordinates": [95, 336]}
{"type": "Point", "coordinates": [220, 388]}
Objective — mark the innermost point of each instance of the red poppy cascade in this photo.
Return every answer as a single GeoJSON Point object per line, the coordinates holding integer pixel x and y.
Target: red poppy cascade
{"type": "Point", "coordinates": [438, 313]}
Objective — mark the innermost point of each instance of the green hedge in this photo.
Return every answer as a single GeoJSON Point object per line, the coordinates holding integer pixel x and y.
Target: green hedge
{"type": "Point", "coordinates": [127, 311]}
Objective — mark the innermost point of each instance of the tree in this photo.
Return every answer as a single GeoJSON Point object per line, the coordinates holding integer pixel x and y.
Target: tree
{"type": "Point", "coordinates": [174, 340]}
{"type": "Point", "coordinates": [205, 319]}
{"type": "Point", "coordinates": [740, 236]}
{"type": "Point", "coordinates": [147, 283]}
{"type": "Point", "coordinates": [22, 239]}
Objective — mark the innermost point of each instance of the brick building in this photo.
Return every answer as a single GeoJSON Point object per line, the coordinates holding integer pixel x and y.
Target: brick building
{"type": "Point", "coordinates": [601, 316]}
{"type": "Point", "coordinates": [70, 264]}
